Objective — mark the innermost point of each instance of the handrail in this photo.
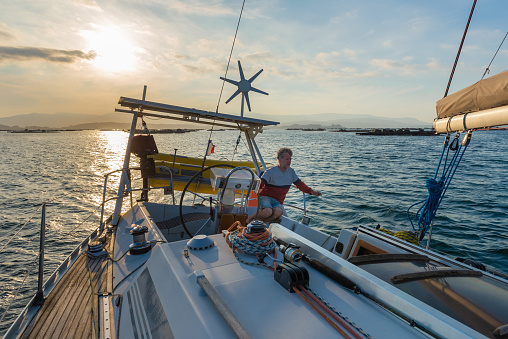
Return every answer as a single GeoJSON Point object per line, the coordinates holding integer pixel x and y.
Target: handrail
{"type": "Point", "coordinates": [106, 176]}
{"type": "Point", "coordinates": [253, 178]}
{"type": "Point", "coordinates": [129, 189]}
{"type": "Point", "coordinates": [305, 218]}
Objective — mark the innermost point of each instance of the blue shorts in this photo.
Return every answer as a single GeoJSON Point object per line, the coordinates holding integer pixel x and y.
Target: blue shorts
{"type": "Point", "coordinates": [267, 202]}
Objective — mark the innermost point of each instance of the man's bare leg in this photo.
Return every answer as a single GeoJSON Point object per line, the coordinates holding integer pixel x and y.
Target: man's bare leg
{"type": "Point", "coordinates": [277, 213]}
{"type": "Point", "coordinates": [262, 215]}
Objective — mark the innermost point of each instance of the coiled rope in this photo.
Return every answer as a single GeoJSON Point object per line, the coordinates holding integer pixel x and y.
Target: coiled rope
{"type": "Point", "coordinates": [437, 188]}
{"type": "Point", "coordinates": [262, 243]}
{"type": "Point", "coordinates": [251, 243]}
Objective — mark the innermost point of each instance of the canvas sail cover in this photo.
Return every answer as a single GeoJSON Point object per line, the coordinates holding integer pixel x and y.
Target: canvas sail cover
{"type": "Point", "coordinates": [487, 93]}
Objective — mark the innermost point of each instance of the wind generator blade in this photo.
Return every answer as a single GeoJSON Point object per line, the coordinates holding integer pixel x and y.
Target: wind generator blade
{"type": "Point", "coordinates": [255, 76]}
{"type": "Point", "coordinates": [247, 99]}
{"type": "Point", "coordinates": [241, 70]}
{"type": "Point", "coordinates": [258, 91]}
{"type": "Point", "coordinates": [230, 81]}
{"type": "Point", "coordinates": [233, 96]}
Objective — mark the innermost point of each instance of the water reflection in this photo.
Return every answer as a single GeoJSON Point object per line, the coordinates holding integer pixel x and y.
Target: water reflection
{"type": "Point", "coordinates": [107, 156]}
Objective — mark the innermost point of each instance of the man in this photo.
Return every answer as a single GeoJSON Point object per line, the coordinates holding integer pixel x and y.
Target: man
{"type": "Point", "coordinates": [275, 184]}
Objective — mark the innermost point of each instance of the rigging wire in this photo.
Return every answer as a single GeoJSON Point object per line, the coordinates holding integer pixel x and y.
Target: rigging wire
{"type": "Point", "coordinates": [460, 49]}
{"type": "Point", "coordinates": [31, 217]}
{"type": "Point", "coordinates": [223, 82]}
{"type": "Point", "coordinates": [15, 296]}
{"type": "Point", "coordinates": [229, 60]}
{"type": "Point", "coordinates": [487, 70]}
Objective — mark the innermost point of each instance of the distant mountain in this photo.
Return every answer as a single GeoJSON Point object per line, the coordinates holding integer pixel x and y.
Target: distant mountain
{"type": "Point", "coordinates": [328, 120]}
{"type": "Point", "coordinates": [62, 119]}
{"type": "Point", "coordinates": [79, 121]}
{"type": "Point", "coordinates": [122, 121]}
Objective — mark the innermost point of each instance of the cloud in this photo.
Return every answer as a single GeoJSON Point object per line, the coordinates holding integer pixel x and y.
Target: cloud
{"type": "Point", "coordinates": [263, 56]}
{"type": "Point", "coordinates": [47, 54]}
{"type": "Point", "coordinates": [406, 66]}
{"type": "Point", "coordinates": [5, 32]}
{"type": "Point", "coordinates": [388, 43]}
{"type": "Point", "coordinates": [90, 3]}
{"type": "Point", "coordinates": [196, 8]}
{"type": "Point", "coordinates": [402, 67]}
{"type": "Point", "coordinates": [420, 24]}
{"type": "Point", "coordinates": [333, 65]}
{"type": "Point", "coordinates": [199, 66]}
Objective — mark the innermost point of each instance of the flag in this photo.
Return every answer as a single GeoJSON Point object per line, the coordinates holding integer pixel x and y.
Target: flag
{"type": "Point", "coordinates": [211, 148]}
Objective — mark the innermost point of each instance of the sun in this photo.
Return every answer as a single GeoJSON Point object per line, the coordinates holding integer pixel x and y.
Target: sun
{"type": "Point", "coordinates": [115, 52]}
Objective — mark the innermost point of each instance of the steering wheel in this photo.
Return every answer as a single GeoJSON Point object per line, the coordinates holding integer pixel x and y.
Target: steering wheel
{"type": "Point", "coordinates": [195, 193]}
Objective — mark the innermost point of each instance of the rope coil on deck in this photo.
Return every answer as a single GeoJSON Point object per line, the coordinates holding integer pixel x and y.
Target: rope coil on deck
{"type": "Point", "coordinates": [250, 243]}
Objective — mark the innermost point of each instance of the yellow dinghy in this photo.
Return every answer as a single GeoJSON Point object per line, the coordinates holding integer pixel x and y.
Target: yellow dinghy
{"type": "Point", "coordinates": [184, 168]}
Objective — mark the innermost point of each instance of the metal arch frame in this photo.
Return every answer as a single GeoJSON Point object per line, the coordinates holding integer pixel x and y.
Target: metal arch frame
{"type": "Point", "coordinates": [249, 126]}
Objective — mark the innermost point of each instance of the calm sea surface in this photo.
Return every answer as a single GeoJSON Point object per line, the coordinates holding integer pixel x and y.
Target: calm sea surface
{"type": "Point", "coordinates": [366, 180]}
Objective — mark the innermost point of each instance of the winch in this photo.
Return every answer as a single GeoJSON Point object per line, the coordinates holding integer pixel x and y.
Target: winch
{"type": "Point", "coordinates": [139, 244]}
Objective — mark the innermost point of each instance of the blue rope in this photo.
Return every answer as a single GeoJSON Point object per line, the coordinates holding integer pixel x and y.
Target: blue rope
{"type": "Point", "coordinates": [437, 188]}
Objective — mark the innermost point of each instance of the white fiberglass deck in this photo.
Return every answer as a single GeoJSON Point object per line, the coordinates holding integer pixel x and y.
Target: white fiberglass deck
{"type": "Point", "coordinates": [262, 306]}
{"type": "Point", "coordinates": [167, 300]}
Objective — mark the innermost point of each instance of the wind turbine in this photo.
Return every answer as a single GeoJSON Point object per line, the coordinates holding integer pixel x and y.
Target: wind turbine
{"type": "Point", "coordinates": [244, 86]}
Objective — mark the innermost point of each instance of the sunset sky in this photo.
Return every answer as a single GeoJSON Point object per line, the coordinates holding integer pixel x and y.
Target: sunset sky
{"type": "Point", "coordinates": [386, 58]}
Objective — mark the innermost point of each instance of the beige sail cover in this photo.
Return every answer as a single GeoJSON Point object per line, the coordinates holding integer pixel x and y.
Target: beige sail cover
{"type": "Point", "coordinates": [487, 93]}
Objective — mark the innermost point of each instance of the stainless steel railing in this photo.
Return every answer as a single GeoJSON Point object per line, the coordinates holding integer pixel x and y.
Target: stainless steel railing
{"type": "Point", "coordinates": [125, 173]}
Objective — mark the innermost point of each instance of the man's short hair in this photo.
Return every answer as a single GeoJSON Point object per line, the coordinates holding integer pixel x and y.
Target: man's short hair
{"type": "Point", "coordinates": [284, 150]}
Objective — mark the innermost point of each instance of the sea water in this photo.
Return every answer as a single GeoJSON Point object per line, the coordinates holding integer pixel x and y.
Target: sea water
{"type": "Point", "coordinates": [365, 180]}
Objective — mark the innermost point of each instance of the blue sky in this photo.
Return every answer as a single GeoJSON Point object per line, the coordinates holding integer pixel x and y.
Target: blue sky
{"type": "Point", "coordinates": [386, 58]}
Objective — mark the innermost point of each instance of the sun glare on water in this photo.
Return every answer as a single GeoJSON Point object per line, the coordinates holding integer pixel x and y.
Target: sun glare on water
{"type": "Point", "coordinates": [115, 52]}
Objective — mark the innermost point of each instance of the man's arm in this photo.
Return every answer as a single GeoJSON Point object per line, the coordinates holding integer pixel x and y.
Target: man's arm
{"type": "Point", "coordinates": [306, 189]}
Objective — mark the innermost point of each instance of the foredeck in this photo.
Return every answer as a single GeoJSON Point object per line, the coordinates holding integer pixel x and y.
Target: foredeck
{"type": "Point", "coordinates": [72, 308]}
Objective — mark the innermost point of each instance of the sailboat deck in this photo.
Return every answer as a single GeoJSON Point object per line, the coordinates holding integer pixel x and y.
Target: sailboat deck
{"type": "Point", "coordinates": [71, 309]}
